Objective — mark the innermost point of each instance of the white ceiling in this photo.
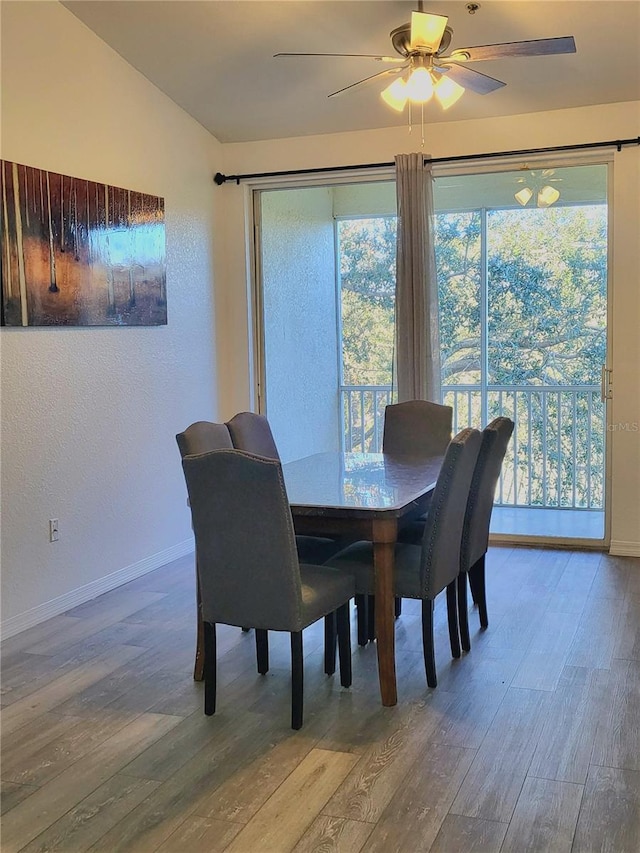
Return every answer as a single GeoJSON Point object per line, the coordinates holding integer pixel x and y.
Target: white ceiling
{"type": "Point", "coordinates": [215, 59]}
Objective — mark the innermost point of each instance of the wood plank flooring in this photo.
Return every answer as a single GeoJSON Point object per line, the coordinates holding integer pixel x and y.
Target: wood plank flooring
{"type": "Point", "coordinates": [530, 742]}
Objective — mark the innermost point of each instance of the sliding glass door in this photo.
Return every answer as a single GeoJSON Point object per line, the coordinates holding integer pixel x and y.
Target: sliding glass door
{"type": "Point", "coordinates": [523, 327]}
{"type": "Point", "coordinates": [523, 313]}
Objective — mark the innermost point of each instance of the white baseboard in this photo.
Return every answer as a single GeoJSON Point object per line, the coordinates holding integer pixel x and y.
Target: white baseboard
{"type": "Point", "coordinates": [14, 624]}
{"type": "Point", "coordinates": [619, 548]}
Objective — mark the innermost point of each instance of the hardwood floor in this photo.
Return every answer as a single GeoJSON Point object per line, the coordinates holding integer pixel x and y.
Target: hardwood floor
{"type": "Point", "coordinates": [530, 742]}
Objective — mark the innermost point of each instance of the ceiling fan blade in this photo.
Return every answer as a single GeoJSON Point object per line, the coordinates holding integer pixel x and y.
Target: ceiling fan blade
{"type": "Point", "coordinates": [352, 55]}
{"type": "Point", "coordinates": [427, 30]}
{"type": "Point", "coordinates": [384, 73]}
{"type": "Point", "coordinates": [468, 78]}
{"type": "Point", "coordinates": [534, 47]}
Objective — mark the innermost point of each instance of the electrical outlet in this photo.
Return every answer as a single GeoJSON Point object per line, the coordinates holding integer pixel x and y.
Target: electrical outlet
{"type": "Point", "coordinates": [54, 533]}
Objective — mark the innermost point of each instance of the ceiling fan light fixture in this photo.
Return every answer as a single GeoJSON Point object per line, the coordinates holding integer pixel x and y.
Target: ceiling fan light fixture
{"type": "Point", "coordinates": [395, 95]}
{"type": "Point", "coordinates": [524, 196]}
{"type": "Point", "coordinates": [427, 30]}
{"type": "Point", "coordinates": [547, 196]}
{"type": "Point", "coordinates": [426, 67]}
{"type": "Point", "coordinates": [419, 87]}
{"type": "Point", "coordinates": [447, 92]}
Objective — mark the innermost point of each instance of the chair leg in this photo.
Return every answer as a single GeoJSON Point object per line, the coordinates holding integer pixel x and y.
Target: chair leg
{"type": "Point", "coordinates": [262, 650]}
{"type": "Point", "coordinates": [371, 617]}
{"type": "Point", "coordinates": [209, 668]}
{"type": "Point", "coordinates": [297, 680]}
{"type": "Point", "coordinates": [398, 610]}
{"type": "Point", "coordinates": [452, 619]}
{"type": "Point", "coordinates": [463, 615]}
{"type": "Point", "coordinates": [361, 618]}
{"type": "Point", "coordinates": [344, 644]}
{"type": "Point", "coordinates": [330, 643]}
{"type": "Point", "coordinates": [478, 590]}
{"type": "Point", "coordinates": [427, 642]}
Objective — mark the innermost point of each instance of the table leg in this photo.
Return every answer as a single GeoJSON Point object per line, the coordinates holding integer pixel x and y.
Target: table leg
{"type": "Point", "coordinates": [198, 668]}
{"type": "Point", "coordinates": [384, 539]}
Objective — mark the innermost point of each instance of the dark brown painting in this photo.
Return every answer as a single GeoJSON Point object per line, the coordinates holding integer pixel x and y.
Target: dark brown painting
{"type": "Point", "coordinates": [79, 253]}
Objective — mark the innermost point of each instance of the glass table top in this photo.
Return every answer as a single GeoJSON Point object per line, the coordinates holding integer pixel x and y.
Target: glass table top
{"type": "Point", "coordinates": [358, 481]}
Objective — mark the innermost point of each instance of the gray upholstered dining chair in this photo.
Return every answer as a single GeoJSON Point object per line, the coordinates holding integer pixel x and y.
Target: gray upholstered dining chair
{"type": "Point", "coordinates": [251, 432]}
{"type": "Point", "coordinates": [422, 428]}
{"type": "Point", "coordinates": [201, 437]}
{"type": "Point", "coordinates": [475, 533]}
{"type": "Point", "coordinates": [423, 571]}
{"type": "Point", "coordinates": [414, 428]}
{"type": "Point", "coordinates": [417, 428]}
{"type": "Point", "coordinates": [248, 566]}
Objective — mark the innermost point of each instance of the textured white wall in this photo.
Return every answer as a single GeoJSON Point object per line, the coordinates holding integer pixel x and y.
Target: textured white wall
{"type": "Point", "coordinates": [561, 127]}
{"type": "Point", "coordinates": [298, 271]}
{"type": "Point", "coordinates": [89, 415]}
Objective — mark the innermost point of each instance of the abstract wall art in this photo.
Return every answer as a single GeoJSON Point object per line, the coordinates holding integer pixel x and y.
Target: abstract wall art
{"type": "Point", "coordinates": [79, 253]}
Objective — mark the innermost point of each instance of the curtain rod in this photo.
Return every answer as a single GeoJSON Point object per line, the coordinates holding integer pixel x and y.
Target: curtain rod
{"type": "Point", "coordinates": [220, 179]}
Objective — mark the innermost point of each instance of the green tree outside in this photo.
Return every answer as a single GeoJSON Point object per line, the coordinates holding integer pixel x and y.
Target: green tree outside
{"type": "Point", "coordinates": [546, 327]}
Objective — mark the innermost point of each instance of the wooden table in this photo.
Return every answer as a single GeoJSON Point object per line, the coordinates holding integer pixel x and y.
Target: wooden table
{"type": "Point", "coordinates": [364, 496]}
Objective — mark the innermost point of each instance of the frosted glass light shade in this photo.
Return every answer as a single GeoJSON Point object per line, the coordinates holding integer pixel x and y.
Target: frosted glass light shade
{"type": "Point", "coordinates": [420, 86]}
{"type": "Point", "coordinates": [448, 92]}
{"type": "Point", "coordinates": [395, 95]}
{"type": "Point", "coordinates": [427, 30]}
{"type": "Point", "coordinates": [547, 196]}
{"type": "Point", "coordinates": [524, 196]}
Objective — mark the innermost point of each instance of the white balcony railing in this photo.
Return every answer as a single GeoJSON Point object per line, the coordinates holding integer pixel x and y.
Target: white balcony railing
{"type": "Point", "coordinates": [555, 458]}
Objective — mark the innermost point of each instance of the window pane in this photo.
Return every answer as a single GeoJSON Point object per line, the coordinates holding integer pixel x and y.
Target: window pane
{"type": "Point", "coordinates": [367, 250]}
{"type": "Point", "coordinates": [458, 259]}
{"type": "Point", "coordinates": [547, 306]}
{"type": "Point", "coordinates": [367, 264]}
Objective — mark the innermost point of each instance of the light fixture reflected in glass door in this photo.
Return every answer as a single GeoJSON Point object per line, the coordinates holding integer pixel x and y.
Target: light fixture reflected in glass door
{"type": "Point", "coordinates": [538, 184]}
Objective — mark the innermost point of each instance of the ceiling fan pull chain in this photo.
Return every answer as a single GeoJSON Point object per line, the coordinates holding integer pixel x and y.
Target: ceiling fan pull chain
{"type": "Point", "coordinates": [422, 123]}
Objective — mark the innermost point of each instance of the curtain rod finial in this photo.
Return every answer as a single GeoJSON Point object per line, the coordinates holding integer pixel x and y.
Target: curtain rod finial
{"type": "Point", "coordinates": [219, 178]}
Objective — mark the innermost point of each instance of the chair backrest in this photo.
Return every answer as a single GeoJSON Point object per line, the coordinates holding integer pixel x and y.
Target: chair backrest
{"type": "Point", "coordinates": [442, 538]}
{"type": "Point", "coordinates": [203, 436]}
{"type": "Point", "coordinates": [247, 562]}
{"type": "Point", "coordinates": [475, 534]}
{"type": "Point", "coordinates": [252, 433]}
{"type": "Point", "coordinates": [417, 428]}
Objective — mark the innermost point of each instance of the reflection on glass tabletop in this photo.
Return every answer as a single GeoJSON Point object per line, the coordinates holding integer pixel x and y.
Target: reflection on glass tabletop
{"type": "Point", "coordinates": [373, 481]}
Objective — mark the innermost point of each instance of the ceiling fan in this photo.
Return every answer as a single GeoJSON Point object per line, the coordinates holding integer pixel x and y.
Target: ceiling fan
{"type": "Point", "coordinates": [425, 69]}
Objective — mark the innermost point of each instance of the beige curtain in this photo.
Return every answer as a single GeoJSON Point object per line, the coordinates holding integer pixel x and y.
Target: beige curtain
{"type": "Point", "coordinates": [417, 365]}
